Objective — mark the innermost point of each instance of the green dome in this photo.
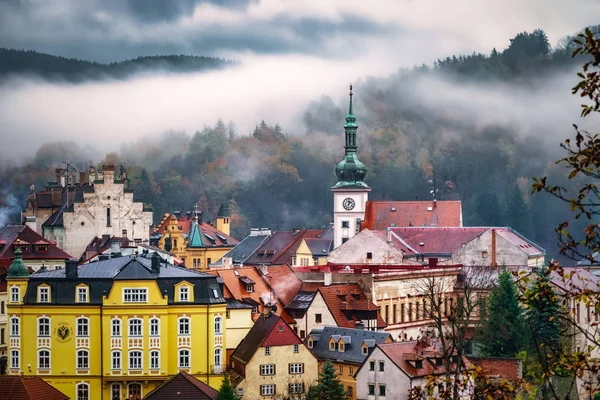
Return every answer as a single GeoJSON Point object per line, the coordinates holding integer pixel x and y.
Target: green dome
{"type": "Point", "coordinates": [17, 269]}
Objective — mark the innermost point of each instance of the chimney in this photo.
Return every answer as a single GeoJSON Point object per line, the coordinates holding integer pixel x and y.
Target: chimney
{"type": "Point", "coordinates": [493, 247]}
{"type": "Point", "coordinates": [432, 261]}
{"type": "Point", "coordinates": [103, 257]}
{"type": "Point", "coordinates": [327, 277]}
{"type": "Point", "coordinates": [31, 221]}
{"type": "Point", "coordinates": [177, 214]}
{"type": "Point", "coordinates": [389, 235]}
{"type": "Point", "coordinates": [82, 178]}
{"type": "Point", "coordinates": [155, 263]}
{"type": "Point", "coordinates": [71, 268]}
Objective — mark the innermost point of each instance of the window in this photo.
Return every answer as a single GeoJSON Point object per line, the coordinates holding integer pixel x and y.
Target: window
{"type": "Point", "coordinates": [381, 366]}
{"type": "Point", "coordinates": [296, 348]}
{"type": "Point", "coordinates": [267, 390]}
{"type": "Point", "coordinates": [371, 365]}
{"type": "Point", "coordinates": [341, 347]}
{"type": "Point", "coordinates": [297, 368]}
{"type": "Point", "coordinates": [135, 359]}
{"type": "Point", "coordinates": [44, 326]}
{"type": "Point", "coordinates": [2, 310]}
{"type": "Point", "coordinates": [43, 294]}
{"type": "Point", "coordinates": [344, 240]}
{"type": "Point", "coordinates": [83, 359]}
{"type": "Point", "coordinates": [82, 294]}
{"type": "Point", "coordinates": [15, 295]}
{"type": "Point", "coordinates": [419, 364]}
{"type": "Point", "coordinates": [341, 370]}
{"type": "Point", "coordinates": [371, 390]}
{"type": "Point", "coordinates": [351, 370]}
{"type": "Point", "coordinates": [215, 293]}
{"type": "Point", "coordinates": [218, 325]}
{"type": "Point", "coordinates": [43, 359]}
{"type": "Point", "coordinates": [154, 327]}
{"type": "Point", "coordinates": [116, 327]}
{"type": "Point", "coordinates": [267, 351]}
{"type": "Point", "coordinates": [417, 311]}
{"type": "Point", "coordinates": [14, 359]}
{"type": "Point", "coordinates": [296, 388]}
{"type": "Point", "coordinates": [331, 345]}
{"type": "Point", "coordinates": [184, 358]}
{"type": "Point", "coordinates": [83, 391]}
{"type": "Point", "coordinates": [402, 312]}
{"type": "Point", "coordinates": [410, 311]}
{"type": "Point", "coordinates": [267, 369]}
{"type": "Point", "coordinates": [184, 293]}
{"type": "Point", "coordinates": [116, 360]}
{"type": "Point", "coordinates": [310, 343]}
{"type": "Point", "coordinates": [249, 287]}
{"type": "Point", "coordinates": [15, 326]}
{"type": "Point", "coordinates": [208, 260]}
{"type": "Point", "coordinates": [154, 359]}
{"type": "Point", "coordinates": [83, 326]}
{"type": "Point", "coordinates": [184, 326]}
{"type": "Point", "coordinates": [108, 217]}
{"type": "Point", "coordinates": [350, 391]}
{"type": "Point", "coordinates": [115, 391]}
{"type": "Point", "coordinates": [318, 318]}
{"type": "Point", "coordinates": [227, 314]}
{"type": "Point", "coordinates": [218, 357]}
{"type": "Point", "coordinates": [345, 224]}
{"type": "Point", "coordinates": [135, 295]}
{"type": "Point", "coordinates": [2, 336]}
{"type": "Point", "coordinates": [240, 392]}
{"type": "Point", "coordinates": [135, 327]}
{"type": "Point", "coordinates": [382, 390]}
{"type": "Point", "coordinates": [394, 312]}
{"type": "Point", "coordinates": [387, 313]}
{"type": "Point", "coordinates": [280, 328]}
{"type": "Point", "coordinates": [365, 350]}
{"type": "Point", "coordinates": [369, 255]}
{"type": "Point", "coordinates": [195, 263]}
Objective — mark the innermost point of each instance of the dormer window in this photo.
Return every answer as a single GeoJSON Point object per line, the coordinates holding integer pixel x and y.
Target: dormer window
{"type": "Point", "coordinates": [365, 349]}
{"type": "Point", "coordinates": [341, 347]}
{"type": "Point", "coordinates": [419, 364]}
{"type": "Point", "coordinates": [309, 343]}
{"type": "Point", "coordinates": [82, 294]}
{"type": "Point", "coordinates": [249, 287]}
{"type": "Point", "coordinates": [43, 294]}
{"type": "Point", "coordinates": [184, 293]}
{"type": "Point", "coordinates": [41, 248]}
{"type": "Point", "coordinates": [331, 345]}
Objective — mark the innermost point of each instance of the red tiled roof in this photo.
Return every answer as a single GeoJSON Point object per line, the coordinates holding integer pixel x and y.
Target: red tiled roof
{"type": "Point", "coordinates": [28, 388]}
{"type": "Point", "coordinates": [281, 335]}
{"type": "Point", "coordinates": [505, 368]}
{"type": "Point", "coordinates": [23, 233]}
{"type": "Point", "coordinates": [383, 214]}
{"type": "Point", "coordinates": [284, 282]}
{"type": "Point", "coordinates": [183, 385]}
{"type": "Point", "coordinates": [352, 295]}
{"type": "Point", "coordinates": [311, 286]}
{"type": "Point", "coordinates": [182, 221]}
{"type": "Point", "coordinates": [437, 240]}
{"type": "Point", "coordinates": [215, 233]}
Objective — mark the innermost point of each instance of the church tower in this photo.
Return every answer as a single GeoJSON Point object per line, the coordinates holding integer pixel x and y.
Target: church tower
{"type": "Point", "coordinates": [350, 193]}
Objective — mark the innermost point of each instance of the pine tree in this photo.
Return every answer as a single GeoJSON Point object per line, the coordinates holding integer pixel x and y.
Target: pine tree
{"type": "Point", "coordinates": [226, 390]}
{"type": "Point", "coordinates": [502, 329]}
{"type": "Point", "coordinates": [328, 386]}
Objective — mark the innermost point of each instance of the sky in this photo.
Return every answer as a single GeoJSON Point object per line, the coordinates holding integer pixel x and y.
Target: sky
{"type": "Point", "coordinates": [292, 52]}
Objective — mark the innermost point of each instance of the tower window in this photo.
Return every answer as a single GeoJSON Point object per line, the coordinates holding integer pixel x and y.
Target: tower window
{"type": "Point", "coordinates": [344, 240]}
{"type": "Point", "coordinates": [108, 217]}
{"type": "Point", "coordinates": [345, 224]}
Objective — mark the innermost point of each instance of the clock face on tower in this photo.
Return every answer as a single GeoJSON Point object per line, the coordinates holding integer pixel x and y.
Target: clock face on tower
{"type": "Point", "coordinates": [348, 204]}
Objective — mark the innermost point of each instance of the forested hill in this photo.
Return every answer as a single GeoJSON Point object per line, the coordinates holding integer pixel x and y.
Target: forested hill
{"type": "Point", "coordinates": [73, 70]}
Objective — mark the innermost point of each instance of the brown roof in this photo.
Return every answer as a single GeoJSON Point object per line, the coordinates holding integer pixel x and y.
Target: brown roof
{"type": "Point", "coordinates": [24, 234]}
{"type": "Point", "coordinates": [341, 299]}
{"type": "Point", "coordinates": [505, 368]}
{"type": "Point", "coordinates": [28, 388]}
{"type": "Point", "coordinates": [383, 214]}
{"type": "Point", "coordinates": [284, 282]}
{"type": "Point", "coordinates": [183, 386]}
{"type": "Point", "coordinates": [435, 240]}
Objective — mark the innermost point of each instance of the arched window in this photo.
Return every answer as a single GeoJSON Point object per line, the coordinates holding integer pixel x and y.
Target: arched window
{"type": "Point", "coordinates": [116, 327]}
{"type": "Point", "coordinates": [184, 326]}
{"type": "Point", "coordinates": [184, 358]}
{"type": "Point", "coordinates": [135, 327]}
{"type": "Point", "coordinates": [15, 359]}
{"type": "Point", "coordinates": [43, 359]}
{"type": "Point", "coordinates": [218, 359]}
{"type": "Point", "coordinates": [83, 359]}
{"type": "Point", "coordinates": [135, 391]}
{"type": "Point", "coordinates": [218, 325]}
{"type": "Point", "coordinates": [154, 327]}
{"type": "Point", "coordinates": [116, 359]}
{"type": "Point", "coordinates": [83, 325]}
{"type": "Point", "coordinates": [135, 359]}
{"type": "Point", "coordinates": [154, 359]}
{"type": "Point", "coordinates": [15, 326]}
{"type": "Point", "coordinates": [44, 326]}
{"type": "Point", "coordinates": [115, 391]}
{"type": "Point", "coordinates": [15, 294]}
{"type": "Point", "coordinates": [83, 391]}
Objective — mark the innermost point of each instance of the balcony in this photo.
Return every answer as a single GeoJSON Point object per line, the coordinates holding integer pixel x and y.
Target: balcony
{"type": "Point", "coordinates": [218, 369]}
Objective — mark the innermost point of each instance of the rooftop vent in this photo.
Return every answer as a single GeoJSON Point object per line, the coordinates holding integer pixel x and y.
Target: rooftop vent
{"type": "Point", "coordinates": [422, 244]}
{"type": "Point", "coordinates": [393, 208]}
{"type": "Point", "coordinates": [429, 208]}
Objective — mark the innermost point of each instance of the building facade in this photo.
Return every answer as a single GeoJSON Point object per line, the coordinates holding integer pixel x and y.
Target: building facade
{"type": "Point", "coordinates": [115, 329]}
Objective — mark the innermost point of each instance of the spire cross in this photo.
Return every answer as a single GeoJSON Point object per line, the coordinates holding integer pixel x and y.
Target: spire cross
{"type": "Point", "coordinates": [350, 110]}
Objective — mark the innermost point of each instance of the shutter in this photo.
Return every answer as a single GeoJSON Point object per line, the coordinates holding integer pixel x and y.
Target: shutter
{"type": "Point", "coordinates": [274, 369]}
{"type": "Point", "coordinates": [274, 389]}
{"type": "Point", "coordinates": [289, 368]}
{"type": "Point", "coordinates": [302, 368]}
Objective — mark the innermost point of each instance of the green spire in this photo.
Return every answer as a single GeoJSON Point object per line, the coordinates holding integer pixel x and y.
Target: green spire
{"type": "Point", "coordinates": [17, 269]}
{"type": "Point", "coordinates": [194, 237]}
{"type": "Point", "coordinates": [350, 171]}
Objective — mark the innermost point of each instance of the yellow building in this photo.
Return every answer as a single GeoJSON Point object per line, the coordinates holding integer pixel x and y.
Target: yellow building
{"type": "Point", "coordinates": [173, 236]}
{"type": "Point", "coordinates": [272, 361]}
{"type": "Point", "coordinates": [117, 328]}
{"type": "Point", "coordinates": [311, 252]}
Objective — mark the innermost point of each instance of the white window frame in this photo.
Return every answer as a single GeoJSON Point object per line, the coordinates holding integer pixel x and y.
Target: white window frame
{"type": "Point", "coordinates": [15, 359]}
{"type": "Point", "coordinates": [47, 356]}
{"type": "Point", "coordinates": [139, 324]}
{"type": "Point", "coordinates": [116, 387]}
{"type": "Point", "coordinates": [154, 359]}
{"type": "Point", "coordinates": [135, 295]}
{"type": "Point", "coordinates": [267, 390]}
{"type": "Point", "coordinates": [218, 357]}
{"type": "Point", "coordinates": [43, 330]}
{"type": "Point", "coordinates": [184, 354]}
{"type": "Point", "coordinates": [82, 357]}
{"type": "Point", "coordinates": [139, 365]}
{"type": "Point", "coordinates": [15, 294]}
{"type": "Point", "coordinates": [154, 326]}
{"type": "Point", "coordinates": [218, 325]}
{"type": "Point", "coordinates": [15, 326]}
{"type": "Point", "coordinates": [250, 287]}
{"type": "Point", "coordinates": [85, 332]}
{"type": "Point", "coordinates": [267, 369]}
{"type": "Point", "coordinates": [116, 359]}
{"type": "Point", "coordinates": [184, 293]}
{"type": "Point", "coordinates": [85, 387]}
{"type": "Point", "coordinates": [82, 294]}
{"type": "Point", "coordinates": [296, 388]}
{"type": "Point", "coordinates": [187, 322]}
{"type": "Point", "coordinates": [43, 294]}
{"type": "Point", "coordinates": [296, 368]}
{"type": "Point", "coordinates": [267, 351]}
{"type": "Point", "coordinates": [296, 348]}
{"type": "Point", "coordinates": [116, 327]}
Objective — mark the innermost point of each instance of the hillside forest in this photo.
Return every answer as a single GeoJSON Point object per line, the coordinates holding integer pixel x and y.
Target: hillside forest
{"type": "Point", "coordinates": [275, 179]}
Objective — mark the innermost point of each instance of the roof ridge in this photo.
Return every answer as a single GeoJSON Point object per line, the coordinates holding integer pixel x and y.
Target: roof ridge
{"type": "Point", "coordinates": [299, 235]}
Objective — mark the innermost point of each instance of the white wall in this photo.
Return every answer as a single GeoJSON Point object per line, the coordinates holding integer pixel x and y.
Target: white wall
{"type": "Point", "coordinates": [360, 197]}
{"type": "Point", "coordinates": [355, 251]}
{"type": "Point", "coordinates": [397, 382]}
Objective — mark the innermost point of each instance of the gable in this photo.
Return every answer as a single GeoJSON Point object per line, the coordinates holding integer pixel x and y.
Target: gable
{"type": "Point", "coordinates": [280, 335]}
{"type": "Point", "coordinates": [355, 250]}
